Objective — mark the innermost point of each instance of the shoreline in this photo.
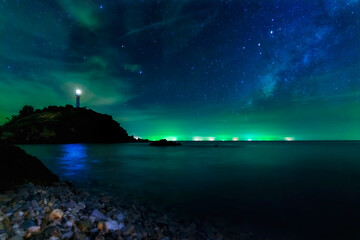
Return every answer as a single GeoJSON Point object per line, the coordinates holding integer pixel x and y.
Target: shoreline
{"type": "Point", "coordinates": [66, 212]}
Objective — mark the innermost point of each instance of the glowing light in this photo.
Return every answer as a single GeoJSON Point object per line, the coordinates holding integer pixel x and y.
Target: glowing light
{"type": "Point", "coordinates": [197, 139]}
{"type": "Point", "coordinates": [289, 139]}
{"type": "Point", "coordinates": [171, 138]}
{"type": "Point", "coordinates": [249, 139]}
{"type": "Point", "coordinates": [235, 139]}
{"type": "Point", "coordinates": [78, 92]}
{"type": "Point", "coordinates": [211, 138]}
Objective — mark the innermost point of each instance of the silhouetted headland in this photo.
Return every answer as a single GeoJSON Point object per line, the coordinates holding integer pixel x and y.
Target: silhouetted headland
{"type": "Point", "coordinates": [18, 167]}
{"type": "Point", "coordinates": [164, 143]}
{"type": "Point", "coordinates": [62, 125]}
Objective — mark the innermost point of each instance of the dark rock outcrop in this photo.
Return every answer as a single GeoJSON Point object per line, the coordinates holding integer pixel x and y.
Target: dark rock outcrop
{"type": "Point", "coordinates": [17, 167]}
{"type": "Point", "coordinates": [164, 143]}
{"type": "Point", "coordinates": [62, 125]}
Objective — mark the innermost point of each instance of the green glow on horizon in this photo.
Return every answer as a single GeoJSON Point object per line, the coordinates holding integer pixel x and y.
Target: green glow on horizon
{"type": "Point", "coordinates": [222, 138]}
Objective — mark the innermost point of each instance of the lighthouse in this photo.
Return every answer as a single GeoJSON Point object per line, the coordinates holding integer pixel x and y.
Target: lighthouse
{"type": "Point", "coordinates": [77, 95]}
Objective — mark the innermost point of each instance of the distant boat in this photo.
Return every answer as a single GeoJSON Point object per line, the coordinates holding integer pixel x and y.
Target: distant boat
{"type": "Point", "coordinates": [164, 143]}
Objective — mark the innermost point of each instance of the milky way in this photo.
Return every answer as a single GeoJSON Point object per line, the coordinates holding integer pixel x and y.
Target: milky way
{"type": "Point", "coordinates": [262, 70]}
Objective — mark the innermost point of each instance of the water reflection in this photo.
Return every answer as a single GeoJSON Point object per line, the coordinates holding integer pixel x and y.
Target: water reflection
{"type": "Point", "coordinates": [74, 158]}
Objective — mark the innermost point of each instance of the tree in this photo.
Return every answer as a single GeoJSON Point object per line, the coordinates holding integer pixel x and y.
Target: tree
{"type": "Point", "coordinates": [26, 111]}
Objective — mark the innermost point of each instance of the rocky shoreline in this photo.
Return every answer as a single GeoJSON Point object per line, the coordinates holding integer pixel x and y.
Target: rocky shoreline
{"type": "Point", "coordinates": [63, 212]}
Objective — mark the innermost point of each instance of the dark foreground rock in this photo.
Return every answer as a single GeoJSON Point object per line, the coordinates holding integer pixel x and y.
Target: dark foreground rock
{"type": "Point", "coordinates": [62, 125]}
{"type": "Point", "coordinates": [62, 212]}
{"type": "Point", "coordinates": [164, 143]}
{"type": "Point", "coordinates": [17, 167]}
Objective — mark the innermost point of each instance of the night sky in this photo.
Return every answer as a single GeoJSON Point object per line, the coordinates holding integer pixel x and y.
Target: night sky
{"type": "Point", "coordinates": [213, 70]}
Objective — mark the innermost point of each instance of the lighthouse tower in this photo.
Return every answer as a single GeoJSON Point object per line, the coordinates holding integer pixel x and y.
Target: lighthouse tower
{"type": "Point", "coordinates": [77, 95]}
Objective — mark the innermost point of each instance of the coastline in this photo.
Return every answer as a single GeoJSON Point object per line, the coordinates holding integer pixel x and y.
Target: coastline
{"type": "Point", "coordinates": [62, 211]}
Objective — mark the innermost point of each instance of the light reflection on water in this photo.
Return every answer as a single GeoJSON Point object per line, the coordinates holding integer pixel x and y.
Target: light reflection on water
{"type": "Point", "coordinates": [74, 158]}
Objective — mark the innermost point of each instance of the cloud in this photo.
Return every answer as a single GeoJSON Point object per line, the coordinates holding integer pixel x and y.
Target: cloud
{"type": "Point", "coordinates": [132, 67]}
{"type": "Point", "coordinates": [84, 12]}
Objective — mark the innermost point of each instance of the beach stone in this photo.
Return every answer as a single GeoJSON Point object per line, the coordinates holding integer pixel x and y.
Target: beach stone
{"type": "Point", "coordinates": [56, 214]}
{"type": "Point", "coordinates": [7, 224]}
{"type": "Point", "coordinates": [98, 215]}
{"type": "Point", "coordinates": [120, 217]}
{"type": "Point", "coordinates": [16, 237]}
{"type": "Point", "coordinates": [56, 233]}
{"type": "Point", "coordinates": [99, 237]}
{"type": "Point", "coordinates": [4, 236]}
{"type": "Point", "coordinates": [102, 226]}
{"type": "Point", "coordinates": [93, 230]}
{"type": "Point", "coordinates": [34, 229]}
{"type": "Point", "coordinates": [112, 225]}
{"type": "Point", "coordinates": [121, 226]}
{"type": "Point", "coordinates": [67, 235]}
{"type": "Point", "coordinates": [128, 230]}
{"type": "Point", "coordinates": [69, 223]}
{"type": "Point", "coordinates": [84, 226]}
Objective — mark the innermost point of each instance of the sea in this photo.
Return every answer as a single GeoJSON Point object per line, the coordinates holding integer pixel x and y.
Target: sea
{"type": "Point", "coordinates": [259, 190]}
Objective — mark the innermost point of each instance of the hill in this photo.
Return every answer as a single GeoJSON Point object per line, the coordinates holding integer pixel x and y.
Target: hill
{"type": "Point", "coordinates": [62, 125]}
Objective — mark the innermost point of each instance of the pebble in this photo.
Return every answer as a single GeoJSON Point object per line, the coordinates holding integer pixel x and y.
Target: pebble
{"type": "Point", "coordinates": [98, 215]}
{"type": "Point", "coordinates": [112, 225]}
{"type": "Point", "coordinates": [56, 214]}
{"type": "Point", "coordinates": [60, 212]}
{"type": "Point", "coordinates": [69, 223]}
{"type": "Point", "coordinates": [16, 237]}
{"type": "Point", "coordinates": [4, 236]}
{"type": "Point", "coordinates": [67, 235]}
{"type": "Point", "coordinates": [34, 229]}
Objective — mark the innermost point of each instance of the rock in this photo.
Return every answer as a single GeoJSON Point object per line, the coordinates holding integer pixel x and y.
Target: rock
{"type": "Point", "coordinates": [80, 206]}
{"type": "Point", "coordinates": [102, 226]}
{"type": "Point", "coordinates": [112, 225]}
{"type": "Point", "coordinates": [128, 230]}
{"type": "Point", "coordinates": [67, 235]}
{"type": "Point", "coordinates": [56, 214]}
{"type": "Point", "coordinates": [34, 229]}
{"type": "Point", "coordinates": [16, 237]}
{"type": "Point", "coordinates": [7, 224]}
{"type": "Point", "coordinates": [56, 234]}
{"type": "Point", "coordinates": [83, 226]}
{"type": "Point", "coordinates": [120, 217]}
{"type": "Point", "coordinates": [18, 168]}
{"type": "Point", "coordinates": [121, 226]}
{"type": "Point", "coordinates": [98, 215]}
{"type": "Point", "coordinates": [93, 230]}
{"type": "Point", "coordinates": [4, 236]}
{"type": "Point", "coordinates": [99, 237]}
{"type": "Point", "coordinates": [69, 223]}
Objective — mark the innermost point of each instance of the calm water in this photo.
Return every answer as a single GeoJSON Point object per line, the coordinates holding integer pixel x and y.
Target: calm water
{"type": "Point", "coordinates": [283, 190]}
